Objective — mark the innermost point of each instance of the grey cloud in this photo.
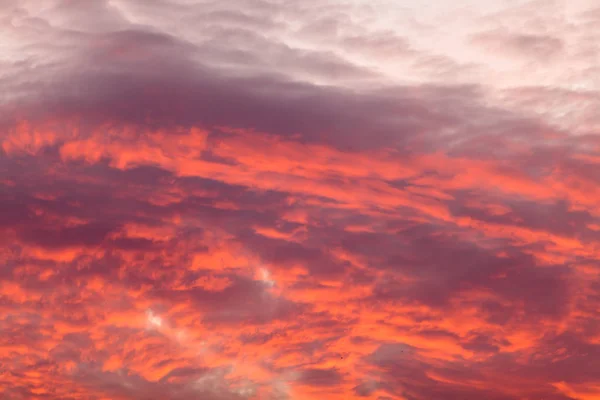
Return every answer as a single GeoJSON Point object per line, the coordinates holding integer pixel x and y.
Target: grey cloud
{"type": "Point", "coordinates": [523, 45]}
{"type": "Point", "coordinates": [320, 377]}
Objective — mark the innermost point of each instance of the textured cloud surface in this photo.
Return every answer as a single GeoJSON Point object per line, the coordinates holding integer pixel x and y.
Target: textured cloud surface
{"type": "Point", "coordinates": [278, 199]}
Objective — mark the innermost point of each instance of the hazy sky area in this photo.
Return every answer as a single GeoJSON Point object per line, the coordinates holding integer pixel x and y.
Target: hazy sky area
{"type": "Point", "coordinates": [297, 200]}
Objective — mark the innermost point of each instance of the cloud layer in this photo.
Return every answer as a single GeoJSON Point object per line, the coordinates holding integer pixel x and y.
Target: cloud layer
{"type": "Point", "coordinates": [272, 199]}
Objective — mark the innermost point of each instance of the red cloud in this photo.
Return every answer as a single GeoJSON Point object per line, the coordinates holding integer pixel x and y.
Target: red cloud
{"type": "Point", "coordinates": [200, 230]}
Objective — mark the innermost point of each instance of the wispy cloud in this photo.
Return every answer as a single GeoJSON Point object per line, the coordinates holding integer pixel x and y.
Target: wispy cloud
{"type": "Point", "coordinates": [297, 200]}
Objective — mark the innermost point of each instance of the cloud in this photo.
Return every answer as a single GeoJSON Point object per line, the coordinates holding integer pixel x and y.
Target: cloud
{"type": "Point", "coordinates": [283, 200]}
{"type": "Point", "coordinates": [522, 45]}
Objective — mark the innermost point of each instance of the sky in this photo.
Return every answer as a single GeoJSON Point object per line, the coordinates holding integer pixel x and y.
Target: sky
{"type": "Point", "coordinates": [296, 200]}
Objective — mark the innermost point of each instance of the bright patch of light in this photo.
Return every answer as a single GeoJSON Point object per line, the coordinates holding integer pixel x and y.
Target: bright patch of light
{"type": "Point", "coordinates": [154, 320]}
{"type": "Point", "coordinates": [265, 276]}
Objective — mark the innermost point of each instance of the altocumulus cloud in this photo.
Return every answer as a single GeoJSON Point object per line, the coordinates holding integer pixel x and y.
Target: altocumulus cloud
{"type": "Point", "coordinates": [274, 199]}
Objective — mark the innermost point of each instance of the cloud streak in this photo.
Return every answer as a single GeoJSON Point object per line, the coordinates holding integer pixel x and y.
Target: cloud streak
{"type": "Point", "coordinates": [283, 200]}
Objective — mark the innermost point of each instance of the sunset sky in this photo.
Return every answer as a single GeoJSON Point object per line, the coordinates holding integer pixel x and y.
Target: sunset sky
{"type": "Point", "coordinates": [299, 199]}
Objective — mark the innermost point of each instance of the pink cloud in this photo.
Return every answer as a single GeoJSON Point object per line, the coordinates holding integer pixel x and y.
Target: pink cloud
{"type": "Point", "coordinates": [240, 201]}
